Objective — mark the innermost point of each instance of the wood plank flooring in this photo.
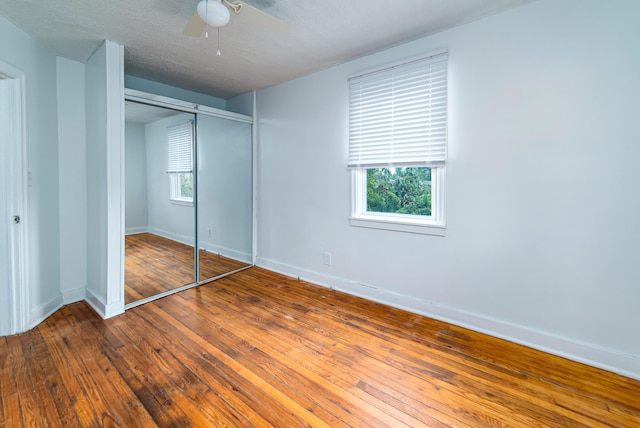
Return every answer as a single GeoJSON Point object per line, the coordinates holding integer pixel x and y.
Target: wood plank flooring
{"type": "Point", "coordinates": [154, 264]}
{"type": "Point", "coordinates": [260, 349]}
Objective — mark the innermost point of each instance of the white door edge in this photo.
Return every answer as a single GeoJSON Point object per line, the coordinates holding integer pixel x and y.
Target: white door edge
{"type": "Point", "coordinates": [13, 120]}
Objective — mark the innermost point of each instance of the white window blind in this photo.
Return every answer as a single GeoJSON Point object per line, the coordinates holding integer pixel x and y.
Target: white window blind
{"type": "Point", "coordinates": [398, 115]}
{"type": "Point", "coordinates": [180, 138]}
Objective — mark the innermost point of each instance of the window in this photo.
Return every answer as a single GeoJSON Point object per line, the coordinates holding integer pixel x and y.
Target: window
{"type": "Point", "coordinates": [180, 165]}
{"type": "Point", "coordinates": [398, 146]}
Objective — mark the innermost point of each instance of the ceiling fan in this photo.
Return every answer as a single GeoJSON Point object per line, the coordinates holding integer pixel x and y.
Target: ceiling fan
{"type": "Point", "coordinates": [217, 13]}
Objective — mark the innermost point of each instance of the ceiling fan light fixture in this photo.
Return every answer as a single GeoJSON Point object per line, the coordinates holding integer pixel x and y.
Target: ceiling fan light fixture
{"type": "Point", "coordinates": [214, 13]}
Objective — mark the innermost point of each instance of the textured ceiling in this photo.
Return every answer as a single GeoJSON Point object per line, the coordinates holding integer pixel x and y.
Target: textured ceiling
{"type": "Point", "coordinates": [321, 33]}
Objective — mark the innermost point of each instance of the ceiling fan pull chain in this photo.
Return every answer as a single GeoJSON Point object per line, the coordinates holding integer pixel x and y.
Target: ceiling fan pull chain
{"type": "Point", "coordinates": [218, 52]}
{"type": "Point", "coordinates": [206, 26]}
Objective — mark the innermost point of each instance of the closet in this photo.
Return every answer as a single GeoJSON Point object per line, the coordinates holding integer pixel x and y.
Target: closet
{"type": "Point", "coordinates": [188, 195]}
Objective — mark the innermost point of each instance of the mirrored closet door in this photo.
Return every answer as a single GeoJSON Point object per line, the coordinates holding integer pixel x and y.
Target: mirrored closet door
{"type": "Point", "coordinates": [188, 185]}
{"type": "Point", "coordinates": [224, 196]}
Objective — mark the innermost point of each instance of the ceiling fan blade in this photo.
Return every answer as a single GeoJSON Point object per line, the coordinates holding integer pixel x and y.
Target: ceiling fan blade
{"type": "Point", "coordinates": [261, 18]}
{"type": "Point", "coordinates": [195, 26]}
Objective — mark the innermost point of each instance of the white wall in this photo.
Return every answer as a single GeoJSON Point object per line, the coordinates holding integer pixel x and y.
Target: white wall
{"type": "Point", "coordinates": [72, 179]}
{"type": "Point", "coordinates": [42, 219]}
{"type": "Point", "coordinates": [6, 288]}
{"type": "Point", "coordinates": [542, 205]}
{"type": "Point", "coordinates": [136, 213]}
{"type": "Point", "coordinates": [242, 104]}
{"type": "Point", "coordinates": [104, 86]}
{"type": "Point", "coordinates": [96, 173]}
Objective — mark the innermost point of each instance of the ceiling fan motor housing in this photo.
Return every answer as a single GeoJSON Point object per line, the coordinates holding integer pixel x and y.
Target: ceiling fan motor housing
{"type": "Point", "coordinates": [214, 13]}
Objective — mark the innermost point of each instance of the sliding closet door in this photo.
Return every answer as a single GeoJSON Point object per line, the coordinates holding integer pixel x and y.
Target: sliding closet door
{"type": "Point", "coordinates": [224, 196]}
{"type": "Point", "coordinates": [159, 201]}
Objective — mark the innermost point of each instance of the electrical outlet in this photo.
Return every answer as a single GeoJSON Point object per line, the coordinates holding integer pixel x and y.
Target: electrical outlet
{"type": "Point", "coordinates": [209, 232]}
{"type": "Point", "coordinates": [326, 258]}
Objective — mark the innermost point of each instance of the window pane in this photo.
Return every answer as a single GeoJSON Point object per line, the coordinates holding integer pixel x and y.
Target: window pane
{"type": "Point", "coordinates": [399, 190]}
{"type": "Point", "coordinates": [186, 185]}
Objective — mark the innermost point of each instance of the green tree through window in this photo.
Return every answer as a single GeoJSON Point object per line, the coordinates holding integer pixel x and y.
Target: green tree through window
{"type": "Point", "coordinates": [186, 185]}
{"type": "Point", "coordinates": [399, 190]}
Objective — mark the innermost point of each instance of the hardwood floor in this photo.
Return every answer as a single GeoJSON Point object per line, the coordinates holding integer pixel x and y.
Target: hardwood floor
{"type": "Point", "coordinates": [260, 349]}
{"type": "Point", "coordinates": [154, 264]}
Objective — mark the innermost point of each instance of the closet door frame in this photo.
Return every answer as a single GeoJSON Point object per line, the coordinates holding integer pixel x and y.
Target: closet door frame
{"type": "Point", "coordinates": [160, 101]}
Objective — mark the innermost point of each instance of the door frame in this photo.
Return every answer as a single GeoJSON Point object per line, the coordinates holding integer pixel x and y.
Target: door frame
{"type": "Point", "coordinates": [12, 95]}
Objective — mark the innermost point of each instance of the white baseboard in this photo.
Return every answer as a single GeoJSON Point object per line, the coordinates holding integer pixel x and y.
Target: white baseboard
{"type": "Point", "coordinates": [593, 355]}
{"type": "Point", "coordinates": [226, 252]}
{"type": "Point", "coordinates": [45, 310]}
{"type": "Point", "coordinates": [113, 309]}
{"type": "Point", "coordinates": [217, 249]}
{"type": "Point", "coordinates": [95, 303]}
{"type": "Point", "coordinates": [136, 230]}
{"type": "Point", "coordinates": [187, 240]}
{"type": "Point", "coordinates": [103, 309]}
{"type": "Point", "coordinates": [73, 296]}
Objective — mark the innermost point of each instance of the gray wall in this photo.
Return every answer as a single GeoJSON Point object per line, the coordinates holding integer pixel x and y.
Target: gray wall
{"type": "Point", "coordinates": [73, 179]}
{"type": "Point", "coordinates": [144, 85]}
{"type": "Point", "coordinates": [136, 215]}
{"type": "Point", "coordinates": [225, 187]}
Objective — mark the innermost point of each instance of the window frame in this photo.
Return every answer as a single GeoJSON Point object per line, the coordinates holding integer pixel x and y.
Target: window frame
{"type": "Point", "coordinates": [360, 217]}
{"type": "Point", "coordinates": [175, 195]}
{"type": "Point", "coordinates": [431, 225]}
{"type": "Point", "coordinates": [175, 171]}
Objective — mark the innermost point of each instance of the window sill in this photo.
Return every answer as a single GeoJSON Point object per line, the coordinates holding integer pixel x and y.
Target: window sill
{"type": "Point", "coordinates": [182, 202]}
{"type": "Point", "coordinates": [408, 226]}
